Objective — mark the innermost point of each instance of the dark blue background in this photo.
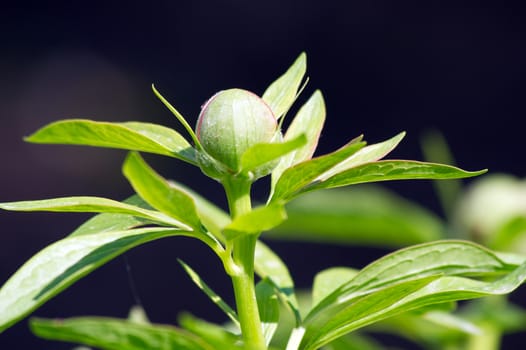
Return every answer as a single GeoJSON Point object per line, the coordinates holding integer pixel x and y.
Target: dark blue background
{"type": "Point", "coordinates": [383, 67]}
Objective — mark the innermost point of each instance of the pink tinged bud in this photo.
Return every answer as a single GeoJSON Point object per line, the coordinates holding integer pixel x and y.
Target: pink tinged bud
{"type": "Point", "coordinates": [231, 122]}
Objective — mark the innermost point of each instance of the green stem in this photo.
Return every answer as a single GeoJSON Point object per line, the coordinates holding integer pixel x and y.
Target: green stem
{"type": "Point", "coordinates": [243, 248]}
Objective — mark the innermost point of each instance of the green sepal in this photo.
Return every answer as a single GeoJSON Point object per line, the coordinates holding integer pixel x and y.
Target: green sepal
{"type": "Point", "coordinates": [308, 121]}
{"type": "Point", "coordinates": [260, 219]}
{"type": "Point", "coordinates": [281, 94]}
{"type": "Point", "coordinates": [260, 159]}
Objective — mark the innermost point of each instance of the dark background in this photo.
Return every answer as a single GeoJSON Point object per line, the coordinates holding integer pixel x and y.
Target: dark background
{"type": "Point", "coordinates": [383, 67]}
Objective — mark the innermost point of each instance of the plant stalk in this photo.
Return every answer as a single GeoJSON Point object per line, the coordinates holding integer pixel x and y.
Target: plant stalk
{"type": "Point", "coordinates": [243, 249]}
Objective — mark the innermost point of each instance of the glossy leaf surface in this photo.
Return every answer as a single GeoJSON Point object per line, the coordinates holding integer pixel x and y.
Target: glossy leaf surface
{"type": "Point", "coordinates": [62, 263]}
{"type": "Point", "coordinates": [407, 280]}
{"type": "Point", "coordinates": [134, 136]}
{"type": "Point", "coordinates": [111, 222]}
{"type": "Point", "coordinates": [91, 205]}
{"type": "Point", "coordinates": [387, 170]}
{"type": "Point", "coordinates": [297, 177]}
{"type": "Point", "coordinates": [368, 154]}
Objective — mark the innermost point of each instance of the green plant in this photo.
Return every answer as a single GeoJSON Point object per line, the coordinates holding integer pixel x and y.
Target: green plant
{"type": "Point", "coordinates": [237, 141]}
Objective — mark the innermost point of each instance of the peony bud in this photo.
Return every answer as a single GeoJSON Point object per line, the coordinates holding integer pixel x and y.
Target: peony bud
{"type": "Point", "coordinates": [231, 122]}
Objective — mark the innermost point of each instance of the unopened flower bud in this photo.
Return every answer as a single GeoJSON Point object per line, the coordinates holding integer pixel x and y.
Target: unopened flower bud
{"type": "Point", "coordinates": [231, 122]}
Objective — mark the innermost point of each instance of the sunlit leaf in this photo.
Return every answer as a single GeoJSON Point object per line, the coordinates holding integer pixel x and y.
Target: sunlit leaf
{"type": "Point", "coordinates": [387, 170]}
{"type": "Point", "coordinates": [157, 192]}
{"type": "Point", "coordinates": [368, 154]}
{"type": "Point", "coordinates": [91, 205]}
{"type": "Point", "coordinates": [115, 334]}
{"type": "Point", "coordinates": [295, 178]}
{"type": "Point", "coordinates": [111, 222]}
{"type": "Point", "coordinates": [134, 136]}
{"type": "Point", "coordinates": [309, 122]}
{"type": "Point", "coordinates": [280, 95]}
{"type": "Point", "coordinates": [268, 307]}
{"type": "Point", "coordinates": [257, 220]}
{"type": "Point", "coordinates": [441, 257]}
{"type": "Point", "coordinates": [407, 280]}
{"type": "Point", "coordinates": [364, 215]}
{"type": "Point", "coordinates": [216, 299]}
{"type": "Point", "coordinates": [62, 263]}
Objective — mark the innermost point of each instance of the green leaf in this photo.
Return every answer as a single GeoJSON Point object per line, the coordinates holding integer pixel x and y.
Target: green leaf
{"type": "Point", "coordinates": [109, 222]}
{"type": "Point", "coordinates": [263, 153]}
{"type": "Point", "coordinates": [132, 136]}
{"type": "Point", "coordinates": [216, 299]}
{"type": "Point", "coordinates": [327, 281]}
{"type": "Point", "coordinates": [260, 219]}
{"type": "Point", "coordinates": [268, 306]}
{"type": "Point", "coordinates": [406, 280]}
{"type": "Point", "coordinates": [364, 215]}
{"type": "Point", "coordinates": [297, 177]}
{"type": "Point", "coordinates": [368, 154]}
{"type": "Point", "coordinates": [216, 335]}
{"type": "Point", "coordinates": [309, 122]}
{"type": "Point", "coordinates": [451, 321]}
{"type": "Point", "coordinates": [387, 170]}
{"type": "Point", "coordinates": [157, 192]}
{"type": "Point", "coordinates": [115, 334]}
{"type": "Point", "coordinates": [213, 217]}
{"type": "Point", "coordinates": [269, 266]}
{"type": "Point", "coordinates": [91, 205]}
{"type": "Point", "coordinates": [280, 95]}
{"type": "Point", "coordinates": [62, 263]}
{"type": "Point", "coordinates": [441, 257]}
{"type": "Point", "coordinates": [333, 323]}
